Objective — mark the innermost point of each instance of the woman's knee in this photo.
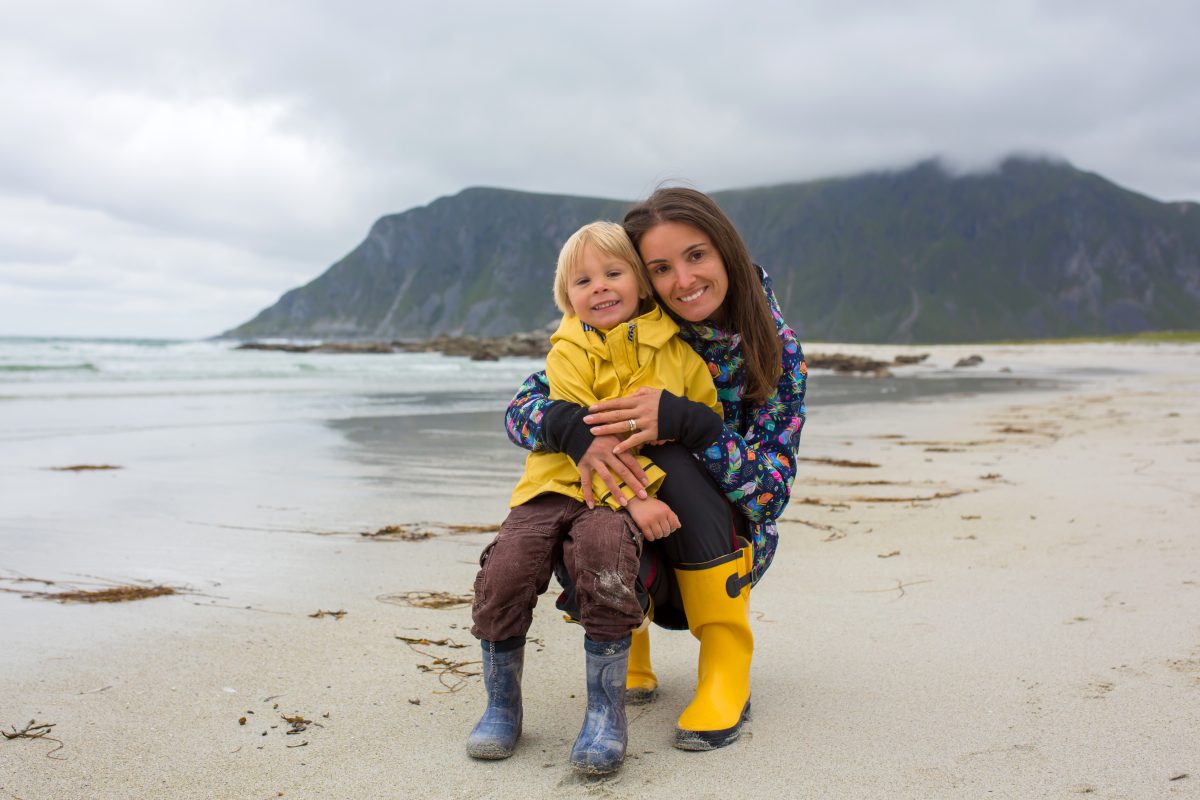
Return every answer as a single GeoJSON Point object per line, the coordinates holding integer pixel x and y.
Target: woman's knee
{"type": "Point", "coordinates": [707, 519]}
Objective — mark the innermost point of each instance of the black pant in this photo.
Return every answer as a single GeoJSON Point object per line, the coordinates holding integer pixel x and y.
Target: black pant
{"type": "Point", "coordinates": [709, 528]}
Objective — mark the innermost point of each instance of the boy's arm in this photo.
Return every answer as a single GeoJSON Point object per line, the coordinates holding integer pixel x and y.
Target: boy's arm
{"type": "Point", "coordinates": [535, 422]}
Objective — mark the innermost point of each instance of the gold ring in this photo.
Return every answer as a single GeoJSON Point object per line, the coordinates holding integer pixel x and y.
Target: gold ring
{"type": "Point", "coordinates": [632, 425]}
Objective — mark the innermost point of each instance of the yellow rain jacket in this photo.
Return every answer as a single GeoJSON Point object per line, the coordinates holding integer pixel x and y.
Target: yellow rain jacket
{"type": "Point", "coordinates": [586, 366]}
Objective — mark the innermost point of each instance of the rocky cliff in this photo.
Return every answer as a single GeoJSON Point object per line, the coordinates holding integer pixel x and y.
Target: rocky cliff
{"type": "Point", "coordinates": [1032, 249]}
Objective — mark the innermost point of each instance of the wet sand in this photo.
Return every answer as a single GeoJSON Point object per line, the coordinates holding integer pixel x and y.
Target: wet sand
{"type": "Point", "coordinates": [1005, 606]}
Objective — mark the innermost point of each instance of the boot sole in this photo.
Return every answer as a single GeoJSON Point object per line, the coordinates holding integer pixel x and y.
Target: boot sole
{"type": "Point", "coordinates": [711, 740]}
{"type": "Point", "coordinates": [493, 752]}
{"type": "Point", "coordinates": [490, 752]}
{"type": "Point", "coordinates": [592, 769]}
{"type": "Point", "coordinates": [640, 697]}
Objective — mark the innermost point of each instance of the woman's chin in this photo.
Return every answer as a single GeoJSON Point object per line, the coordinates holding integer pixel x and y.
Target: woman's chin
{"type": "Point", "coordinates": [698, 313]}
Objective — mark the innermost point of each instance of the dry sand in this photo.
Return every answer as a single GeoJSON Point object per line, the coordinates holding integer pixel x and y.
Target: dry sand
{"type": "Point", "coordinates": [1007, 606]}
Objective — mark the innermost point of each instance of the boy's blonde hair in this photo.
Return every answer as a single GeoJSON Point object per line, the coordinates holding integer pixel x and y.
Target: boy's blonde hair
{"type": "Point", "coordinates": [607, 237]}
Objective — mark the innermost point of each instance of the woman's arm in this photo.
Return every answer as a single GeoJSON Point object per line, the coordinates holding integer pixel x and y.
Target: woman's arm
{"type": "Point", "coordinates": [755, 470]}
{"type": "Point", "coordinates": [571, 375]}
{"type": "Point", "coordinates": [535, 422]}
{"type": "Point", "coordinates": [526, 412]}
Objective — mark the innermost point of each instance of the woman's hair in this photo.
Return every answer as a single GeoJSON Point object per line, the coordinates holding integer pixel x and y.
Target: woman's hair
{"type": "Point", "coordinates": [746, 310]}
{"type": "Point", "coordinates": [607, 237]}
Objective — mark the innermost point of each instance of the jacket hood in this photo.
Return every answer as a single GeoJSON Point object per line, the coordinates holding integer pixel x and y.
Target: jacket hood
{"type": "Point", "coordinates": [654, 329]}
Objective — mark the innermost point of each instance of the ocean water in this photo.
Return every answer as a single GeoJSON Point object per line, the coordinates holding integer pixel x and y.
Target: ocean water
{"type": "Point", "coordinates": [83, 368]}
{"type": "Point", "coordinates": [420, 425]}
{"type": "Point", "coordinates": [325, 386]}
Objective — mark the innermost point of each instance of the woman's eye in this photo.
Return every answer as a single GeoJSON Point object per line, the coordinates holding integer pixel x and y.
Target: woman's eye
{"type": "Point", "coordinates": [696, 255]}
{"type": "Point", "coordinates": [660, 269]}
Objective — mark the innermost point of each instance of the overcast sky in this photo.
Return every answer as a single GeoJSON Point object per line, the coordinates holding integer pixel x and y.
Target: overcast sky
{"type": "Point", "coordinates": [169, 169]}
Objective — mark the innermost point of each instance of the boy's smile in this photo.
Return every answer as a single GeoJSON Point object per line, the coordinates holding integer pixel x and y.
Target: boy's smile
{"type": "Point", "coordinates": [603, 289]}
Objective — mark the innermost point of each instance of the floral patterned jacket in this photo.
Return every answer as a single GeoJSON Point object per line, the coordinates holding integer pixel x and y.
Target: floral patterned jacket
{"type": "Point", "coordinates": [754, 459]}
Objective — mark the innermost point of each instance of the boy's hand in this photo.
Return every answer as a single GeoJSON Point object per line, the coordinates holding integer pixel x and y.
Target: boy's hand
{"type": "Point", "coordinates": [601, 460]}
{"type": "Point", "coordinates": [654, 517]}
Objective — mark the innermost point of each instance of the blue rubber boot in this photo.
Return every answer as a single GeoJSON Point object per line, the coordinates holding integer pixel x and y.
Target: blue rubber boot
{"type": "Point", "coordinates": [600, 747]}
{"type": "Point", "coordinates": [495, 735]}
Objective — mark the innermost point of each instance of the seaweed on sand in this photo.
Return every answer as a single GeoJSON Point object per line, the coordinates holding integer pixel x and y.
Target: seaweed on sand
{"type": "Point", "coordinates": [417, 531]}
{"type": "Point", "coordinates": [833, 533]}
{"type": "Point", "coordinates": [75, 593]}
{"type": "Point", "coordinates": [424, 599]}
{"type": "Point", "coordinates": [36, 730]}
{"type": "Point", "coordinates": [114, 594]}
{"type": "Point", "coordinates": [451, 674]}
{"type": "Point", "coordinates": [321, 613]}
{"type": "Point", "coordinates": [84, 467]}
{"type": "Point", "coordinates": [839, 462]}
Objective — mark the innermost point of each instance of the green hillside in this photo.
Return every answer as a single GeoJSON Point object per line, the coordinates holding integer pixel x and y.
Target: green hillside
{"type": "Point", "coordinates": [1033, 249]}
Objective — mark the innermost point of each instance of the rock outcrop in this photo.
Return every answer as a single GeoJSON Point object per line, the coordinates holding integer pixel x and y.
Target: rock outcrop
{"type": "Point", "coordinates": [1032, 249]}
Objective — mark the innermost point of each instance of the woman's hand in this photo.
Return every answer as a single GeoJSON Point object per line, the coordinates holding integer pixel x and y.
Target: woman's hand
{"type": "Point", "coordinates": [654, 517]}
{"type": "Point", "coordinates": [601, 459]}
{"type": "Point", "coordinates": [611, 418]}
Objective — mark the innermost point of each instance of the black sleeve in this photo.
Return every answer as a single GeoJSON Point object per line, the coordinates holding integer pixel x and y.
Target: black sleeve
{"type": "Point", "coordinates": [564, 430]}
{"type": "Point", "coordinates": [692, 424]}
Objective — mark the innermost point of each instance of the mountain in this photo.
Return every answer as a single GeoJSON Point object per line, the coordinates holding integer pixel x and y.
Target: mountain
{"type": "Point", "coordinates": [1034, 248]}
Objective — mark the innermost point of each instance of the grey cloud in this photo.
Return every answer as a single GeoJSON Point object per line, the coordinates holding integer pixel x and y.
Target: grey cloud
{"type": "Point", "coordinates": [257, 143]}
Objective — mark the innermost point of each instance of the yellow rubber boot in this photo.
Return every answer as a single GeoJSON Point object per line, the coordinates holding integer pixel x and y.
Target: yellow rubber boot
{"type": "Point", "coordinates": [641, 684]}
{"type": "Point", "coordinates": [716, 597]}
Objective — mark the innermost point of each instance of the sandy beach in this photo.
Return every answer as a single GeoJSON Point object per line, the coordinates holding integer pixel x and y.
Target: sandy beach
{"type": "Point", "coordinates": [985, 595]}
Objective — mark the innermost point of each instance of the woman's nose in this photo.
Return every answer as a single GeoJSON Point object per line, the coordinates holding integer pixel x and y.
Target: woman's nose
{"type": "Point", "coordinates": [683, 276]}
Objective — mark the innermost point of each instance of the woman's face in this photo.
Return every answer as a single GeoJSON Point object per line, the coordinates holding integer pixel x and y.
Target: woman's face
{"type": "Point", "coordinates": [686, 270]}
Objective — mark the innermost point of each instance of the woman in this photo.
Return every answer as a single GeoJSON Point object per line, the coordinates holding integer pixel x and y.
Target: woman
{"type": "Point", "coordinates": [702, 273]}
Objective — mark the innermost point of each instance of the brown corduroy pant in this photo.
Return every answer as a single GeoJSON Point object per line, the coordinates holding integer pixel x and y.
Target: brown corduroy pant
{"type": "Point", "coordinates": [599, 547]}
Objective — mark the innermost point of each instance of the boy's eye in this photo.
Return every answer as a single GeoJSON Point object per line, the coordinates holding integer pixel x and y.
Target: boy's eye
{"type": "Point", "coordinates": [614, 273]}
{"type": "Point", "coordinates": [580, 281]}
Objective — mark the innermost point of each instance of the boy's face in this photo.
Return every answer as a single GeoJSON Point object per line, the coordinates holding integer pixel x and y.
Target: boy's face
{"type": "Point", "coordinates": [603, 289]}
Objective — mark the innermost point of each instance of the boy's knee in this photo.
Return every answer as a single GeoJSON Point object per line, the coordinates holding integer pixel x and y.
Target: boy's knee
{"type": "Point", "coordinates": [609, 604]}
{"type": "Point", "coordinates": [606, 549]}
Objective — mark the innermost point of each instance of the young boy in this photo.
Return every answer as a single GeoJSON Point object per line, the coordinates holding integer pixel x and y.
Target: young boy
{"type": "Point", "coordinates": [613, 339]}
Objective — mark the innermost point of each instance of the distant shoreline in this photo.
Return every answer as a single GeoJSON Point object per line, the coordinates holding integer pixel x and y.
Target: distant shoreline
{"type": "Point", "coordinates": [420, 345]}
